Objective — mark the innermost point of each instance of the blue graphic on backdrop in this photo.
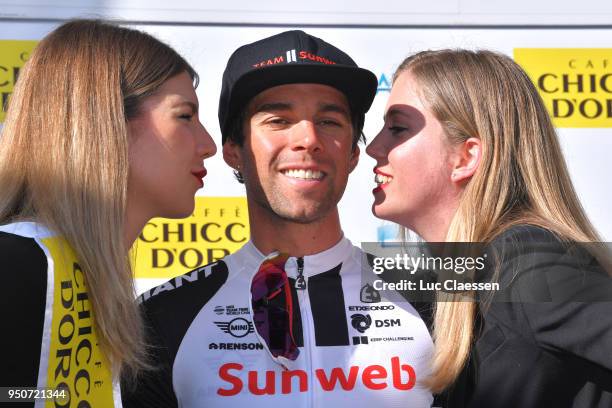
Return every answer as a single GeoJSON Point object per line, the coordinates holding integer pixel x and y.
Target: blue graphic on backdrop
{"type": "Point", "coordinates": [384, 84]}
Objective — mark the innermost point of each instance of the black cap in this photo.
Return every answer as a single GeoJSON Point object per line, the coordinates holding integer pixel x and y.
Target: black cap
{"type": "Point", "coordinates": [288, 58]}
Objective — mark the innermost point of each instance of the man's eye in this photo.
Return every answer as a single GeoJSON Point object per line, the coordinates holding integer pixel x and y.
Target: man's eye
{"type": "Point", "coordinates": [278, 121]}
{"type": "Point", "coordinates": [329, 122]}
{"type": "Point", "coordinates": [186, 116]}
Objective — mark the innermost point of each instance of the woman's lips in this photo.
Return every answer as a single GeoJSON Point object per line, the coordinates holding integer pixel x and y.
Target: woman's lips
{"type": "Point", "coordinates": [382, 180]}
{"type": "Point", "coordinates": [200, 176]}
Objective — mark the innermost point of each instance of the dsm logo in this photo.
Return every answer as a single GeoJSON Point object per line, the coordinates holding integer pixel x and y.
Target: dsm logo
{"type": "Point", "coordinates": [238, 327]}
{"type": "Point", "coordinates": [360, 322]}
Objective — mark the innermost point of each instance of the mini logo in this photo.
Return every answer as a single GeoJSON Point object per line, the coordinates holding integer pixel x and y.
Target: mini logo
{"type": "Point", "coordinates": [238, 327]}
{"type": "Point", "coordinates": [360, 322]}
{"type": "Point", "coordinates": [369, 294]}
{"type": "Point", "coordinates": [219, 310]}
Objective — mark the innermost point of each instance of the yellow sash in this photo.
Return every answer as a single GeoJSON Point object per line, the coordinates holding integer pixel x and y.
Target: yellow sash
{"type": "Point", "coordinates": [76, 362]}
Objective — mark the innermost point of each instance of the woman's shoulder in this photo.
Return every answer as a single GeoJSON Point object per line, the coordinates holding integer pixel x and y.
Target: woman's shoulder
{"type": "Point", "coordinates": [534, 243]}
{"type": "Point", "coordinates": [543, 266]}
{"type": "Point", "coordinates": [19, 245]}
{"type": "Point", "coordinates": [526, 233]}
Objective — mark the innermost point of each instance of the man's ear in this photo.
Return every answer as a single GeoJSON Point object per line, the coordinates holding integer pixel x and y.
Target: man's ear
{"type": "Point", "coordinates": [467, 160]}
{"type": "Point", "coordinates": [354, 158]}
{"type": "Point", "coordinates": [232, 154]}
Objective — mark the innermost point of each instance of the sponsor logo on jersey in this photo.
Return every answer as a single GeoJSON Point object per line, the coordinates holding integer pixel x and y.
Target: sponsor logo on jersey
{"type": "Point", "coordinates": [390, 338]}
{"type": "Point", "coordinates": [360, 340]}
{"type": "Point", "coordinates": [374, 377]}
{"type": "Point", "coordinates": [231, 310]}
{"type": "Point", "coordinates": [363, 322]}
{"type": "Point", "coordinates": [365, 308]}
{"type": "Point", "coordinates": [238, 327]}
{"type": "Point", "coordinates": [369, 294]}
{"type": "Point", "coordinates": [360, 322]}
{"type": "Point", "coordinates": [235, 346]}
{"type": "Point", "coordinates": [177, 282]}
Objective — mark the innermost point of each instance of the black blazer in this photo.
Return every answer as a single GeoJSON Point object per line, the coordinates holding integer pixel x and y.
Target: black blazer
{"type": "Point", "coordinates": [545, 340]}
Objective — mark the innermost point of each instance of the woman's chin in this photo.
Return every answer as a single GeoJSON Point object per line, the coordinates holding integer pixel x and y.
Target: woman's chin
{"type": "Point", "coordinates": [379, 212]}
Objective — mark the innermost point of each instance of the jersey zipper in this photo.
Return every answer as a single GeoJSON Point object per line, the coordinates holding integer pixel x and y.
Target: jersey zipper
{"type": "Point", "coordinates": [307, 329]}
{"type": "Point", "coordinates": [300, 282]}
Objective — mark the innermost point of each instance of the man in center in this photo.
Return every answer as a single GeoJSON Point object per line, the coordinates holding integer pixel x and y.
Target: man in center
{"type": "Point", "coordinates": [291, 111]}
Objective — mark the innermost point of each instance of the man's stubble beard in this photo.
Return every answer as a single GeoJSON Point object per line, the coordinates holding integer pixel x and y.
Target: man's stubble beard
{"type": "Point", "coordinates": [278, 206]}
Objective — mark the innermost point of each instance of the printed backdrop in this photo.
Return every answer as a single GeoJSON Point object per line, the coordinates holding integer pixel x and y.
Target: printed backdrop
{"type": "Point", "coordinates": [572, 68]}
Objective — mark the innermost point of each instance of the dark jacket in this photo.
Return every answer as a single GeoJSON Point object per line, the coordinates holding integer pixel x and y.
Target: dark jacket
{"type": "Point", "coordinates": [545, 339]}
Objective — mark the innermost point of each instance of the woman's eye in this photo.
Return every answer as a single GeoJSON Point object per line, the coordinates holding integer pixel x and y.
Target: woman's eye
{"type": "Point", "coordinates": [397, 129]}
{"type": "Point", "coordinates": [186, 116]}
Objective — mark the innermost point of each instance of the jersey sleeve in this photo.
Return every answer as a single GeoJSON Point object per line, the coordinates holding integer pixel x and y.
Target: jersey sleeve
{"type": "Point", "coordinates": [168, 311]}
{"type": "Point", "coordinates": [24, 277]}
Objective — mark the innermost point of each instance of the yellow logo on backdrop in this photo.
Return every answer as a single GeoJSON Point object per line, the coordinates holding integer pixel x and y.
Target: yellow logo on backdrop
{"type": "Point", "coordinates": [575, 83]}
{"type": "Point", "coordinates": [13, 55]}
{"type": "Point", "coordinates": [167, 248]}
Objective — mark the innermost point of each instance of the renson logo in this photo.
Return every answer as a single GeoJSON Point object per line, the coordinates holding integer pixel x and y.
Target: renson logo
{"type": "Point", "coordinates": [374, 377]}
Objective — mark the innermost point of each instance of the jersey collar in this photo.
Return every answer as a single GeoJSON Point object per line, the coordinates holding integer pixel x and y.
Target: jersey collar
{"type": "Point", "coordinates": [313, 264]}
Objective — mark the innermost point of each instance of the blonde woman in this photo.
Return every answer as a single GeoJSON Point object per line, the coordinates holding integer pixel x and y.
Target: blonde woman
{"type": "Point", "coordinates": [468, 153]}
{"type": "Point", "coordinates": [102, 134]}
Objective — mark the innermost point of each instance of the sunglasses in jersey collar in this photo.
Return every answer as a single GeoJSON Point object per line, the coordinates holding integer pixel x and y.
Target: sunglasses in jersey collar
{"type": "Point", "coordinates": [272, 309]}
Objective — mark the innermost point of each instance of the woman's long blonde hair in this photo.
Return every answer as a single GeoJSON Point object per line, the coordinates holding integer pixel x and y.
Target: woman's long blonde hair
{"type": "Point", "coordinates": [64, 158]}
{"type": "Point", "coordinates": [522, 177]}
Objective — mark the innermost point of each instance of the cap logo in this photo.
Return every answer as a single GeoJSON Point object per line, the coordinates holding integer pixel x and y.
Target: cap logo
{"type": "Point", "coordinates": [315, 57]}
{"type": "Point", "coordinates": [291, 56]}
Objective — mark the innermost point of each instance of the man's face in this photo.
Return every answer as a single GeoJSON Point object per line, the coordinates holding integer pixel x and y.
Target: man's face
{"type": "Point", "coordinates": [297, 151]}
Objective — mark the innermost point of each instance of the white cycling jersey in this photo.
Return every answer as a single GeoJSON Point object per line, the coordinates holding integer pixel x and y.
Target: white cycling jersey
{"type": "Point", "coordinates": [355, 347]}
